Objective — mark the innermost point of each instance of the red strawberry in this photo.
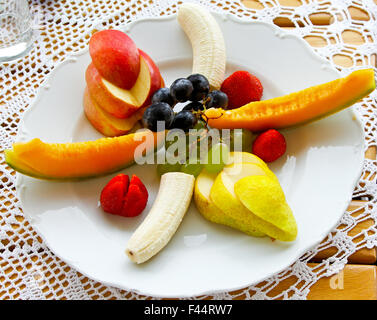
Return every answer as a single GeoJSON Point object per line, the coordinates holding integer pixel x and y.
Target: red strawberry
{"type": "Point", "coordinates": [113, 194]}
{"type": "Point", "coordinates": [269, 145]}
{"type": "Point", "coordinates": [135, 180]}
{"type": "Point", "coordinates": [134, 202]}
{"type": "Point", "coordinates": [123, 197]}
{"type": "Point", "coordinates": [241, 88]}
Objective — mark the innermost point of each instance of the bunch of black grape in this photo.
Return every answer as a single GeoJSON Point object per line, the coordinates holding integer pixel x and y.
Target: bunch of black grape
{"type": "Point", "coordinates": [194, 88]}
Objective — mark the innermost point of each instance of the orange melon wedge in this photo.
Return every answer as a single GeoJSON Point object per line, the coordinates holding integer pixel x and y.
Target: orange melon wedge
{"type": "Point", "coordinates": [70, 161]}
{"type": "Point", "coordinates": [296, 108]}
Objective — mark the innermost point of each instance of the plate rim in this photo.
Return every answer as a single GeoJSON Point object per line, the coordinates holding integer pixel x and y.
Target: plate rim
{"type": "Point", "coordinates": [71, 58]}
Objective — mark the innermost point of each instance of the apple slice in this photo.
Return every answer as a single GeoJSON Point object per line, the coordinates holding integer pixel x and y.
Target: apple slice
{"type": "Point", "coordinates": [116, 57]}
{"type": "Point", "coordinates": [122, 103]}
{"type": "Point", "coordinates": [210, 211]}
{"type": "Point", "coordinates": [107, 124]}
{"type": "Point", "coordinates": [157, 81]}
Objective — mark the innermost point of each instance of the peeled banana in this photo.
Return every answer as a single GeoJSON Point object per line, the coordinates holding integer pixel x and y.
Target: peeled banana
{"type": "Point", "coordinates": [164, 218]}
{"type": "Point", "coordinates": [209, 54]}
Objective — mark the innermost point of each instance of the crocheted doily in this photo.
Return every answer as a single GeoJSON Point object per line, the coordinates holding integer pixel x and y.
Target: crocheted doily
{"type": "Point", "coordinates": [29, 270]}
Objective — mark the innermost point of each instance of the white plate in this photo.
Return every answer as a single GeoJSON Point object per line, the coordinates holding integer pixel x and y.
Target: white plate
{"type": "Point", "coordinates": [318, 173]}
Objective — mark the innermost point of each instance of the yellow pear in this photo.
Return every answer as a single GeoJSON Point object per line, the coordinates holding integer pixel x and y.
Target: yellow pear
{"type": "Point", "coordinates": [245, 157]}
{"type": "Point", "coordinates": [264, 197]}
{"type": "Point", "coordinates": [206, 207]}
{"type": "Point", "coordinates": [210, 211]}
{"type": "Point", "coordinates": [237, 171]}
{"type": "Point", "coordinates": [223, 196]}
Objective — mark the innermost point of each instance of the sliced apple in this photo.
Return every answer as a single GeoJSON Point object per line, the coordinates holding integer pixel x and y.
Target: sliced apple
{"type": "Point", "coordinates": [122, 103]}
{"type": "Point", "coordinates": [157, 81]}
{"type": "Point", "coordinates": [107, 124]}
{"type": "Point", "coordinates": [162, 82]}
{"type": "Point", "coordinates": [116, 57]}
{"type": "Point", "coordinates": [210, 211]}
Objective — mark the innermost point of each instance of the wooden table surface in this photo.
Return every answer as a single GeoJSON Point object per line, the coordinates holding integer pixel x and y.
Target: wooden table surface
{"type": "Point", "coordinates": [358, 279]}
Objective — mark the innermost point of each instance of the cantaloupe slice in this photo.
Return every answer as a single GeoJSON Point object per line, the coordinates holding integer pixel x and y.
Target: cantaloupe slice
{"type": "Point", "coordinates": [69, 161]}
{"type": "Point", "coordinates": [296, 108]}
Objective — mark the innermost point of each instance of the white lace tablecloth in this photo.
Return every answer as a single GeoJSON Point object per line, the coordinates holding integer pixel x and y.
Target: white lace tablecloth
{"type": "Point", "coordinates": [29, 270]}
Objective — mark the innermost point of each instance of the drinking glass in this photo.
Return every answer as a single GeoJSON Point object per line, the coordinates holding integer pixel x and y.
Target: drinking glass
{"type": "Point", "coordinates": [16, 34]}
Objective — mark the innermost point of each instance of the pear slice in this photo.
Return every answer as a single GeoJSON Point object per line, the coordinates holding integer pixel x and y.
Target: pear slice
{"type": "Point", "coordinates": [265, 198]}
{"type": "Point", "coordinates": [210, 211]}
{"type": "Point", "coordinates": [237, 171]}
{"type": "Point", "coordinates": [245, 157]}
{"type": "Point", "coordinates": [203, 202]}
{"type": "Point", "coordinates": [223, 196]}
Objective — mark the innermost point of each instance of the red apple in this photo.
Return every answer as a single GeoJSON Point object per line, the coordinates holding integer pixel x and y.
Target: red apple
{"type": "Point", "coordinates": [156, 79]}
{"type": "Point", "coordinates": [120, 102]}
{"type": "Point", "coordinates": [116, 57]}
{"type": "Point", "coordinates": [107, 124]}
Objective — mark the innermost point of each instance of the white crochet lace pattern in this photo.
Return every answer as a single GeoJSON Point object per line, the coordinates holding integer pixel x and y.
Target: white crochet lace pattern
{"type": "Point", "coordinates": [29, 270]}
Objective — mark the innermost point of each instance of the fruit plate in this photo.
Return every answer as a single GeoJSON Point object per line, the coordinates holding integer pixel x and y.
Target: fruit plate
{"type": "Point", "coordinates": [318, 173]}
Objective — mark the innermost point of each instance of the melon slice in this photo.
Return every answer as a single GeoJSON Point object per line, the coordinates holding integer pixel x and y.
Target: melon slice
{"type": "Point", "coordinates": [70, 161]}
{"type": "Point", "coordinates": [296, 108]}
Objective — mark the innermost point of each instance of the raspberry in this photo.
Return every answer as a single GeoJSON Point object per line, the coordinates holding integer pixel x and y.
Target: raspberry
{"type": "Point", "coordinates": [123, 197]}
{"type": "Point", "coordinates": [269, 145]}
{"type": "Point", "coordinates": [241, 88]}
